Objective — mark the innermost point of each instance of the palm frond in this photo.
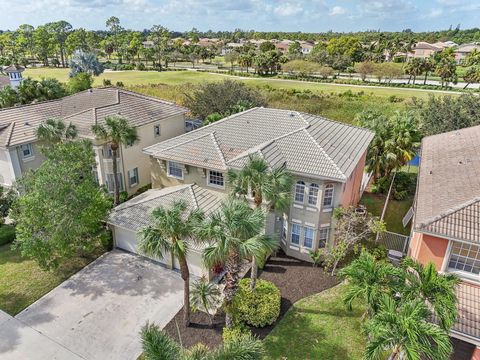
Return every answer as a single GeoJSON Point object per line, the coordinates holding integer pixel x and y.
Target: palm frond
{"type": "Point", "coordinates": [158, 345]}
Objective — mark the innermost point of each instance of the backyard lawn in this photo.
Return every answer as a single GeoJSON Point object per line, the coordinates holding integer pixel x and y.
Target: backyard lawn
{"type": "Point", "coordinates": [23, 282]}
{"type": "Point", "coordinates": [318, 327]}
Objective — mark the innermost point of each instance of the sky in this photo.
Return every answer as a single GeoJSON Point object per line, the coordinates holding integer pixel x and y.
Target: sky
{"type": "Point", "coordinates": [260, 15]}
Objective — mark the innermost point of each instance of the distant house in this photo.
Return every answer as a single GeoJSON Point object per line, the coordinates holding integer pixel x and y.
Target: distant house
{"type": "Point", "coordinates": [13, 74]}
{"type": "Point", "coordinates": [148, 44]}
{"type": "Point", "coordinates": [155, 120]}
{"type": "Point", "coordinates": [4, 81]}
{"type": "Point", "coordinates": [229, 47]}
{"type": "Point", "coordinates": [306, 47]}
{"type": "Point", "coordinates": [424, 50]}
{"type": "Point", "coordinates": [446, 224]}
{"type": "Point", "coordinates": [283, 45]}
{"type": "Point", "coordinates": [463, 51]}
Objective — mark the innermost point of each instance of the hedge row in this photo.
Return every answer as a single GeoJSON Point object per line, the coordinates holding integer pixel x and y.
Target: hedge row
{"type": "Point", "coordinates": [7, 234]}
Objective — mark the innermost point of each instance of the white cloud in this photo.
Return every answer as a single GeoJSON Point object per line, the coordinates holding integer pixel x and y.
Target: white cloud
{"type": "Point", "coordinates": [337, 10]}
{"type": "Point", "coordinates": [288, 9]}
{"type": "Point", "coordinates": [435, 13]}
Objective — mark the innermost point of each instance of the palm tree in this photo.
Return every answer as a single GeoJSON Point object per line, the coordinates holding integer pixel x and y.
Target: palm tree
{"type": "Point", "coordinates": [436, 290]}
{"type": "Point", "coordinates": [157, 345]}
{"type": "Point", "coordinates": [54, 130]}
{"type": "Point", "coordinates": [171, 233]}
{"type": "Point", "coordinates": [205, 295]}
{"type": "Point", "coordinates": [235, 234]}
{"type": "Point", "coordinates": [262, 184]}
{"type": "Point", "coordinates": [427, 67]}
{"type": "Point", "coordinates": [403, 329]}
{"type": "Point", "coordinates": [368, 279]}
{"type": "Point", "coordinates": [414, 68]}
{"type": "Point", "coordinates": [115, 131]}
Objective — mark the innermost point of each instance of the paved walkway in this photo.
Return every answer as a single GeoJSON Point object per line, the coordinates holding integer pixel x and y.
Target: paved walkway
{"type": "Point", "coordinates": [96, 314]}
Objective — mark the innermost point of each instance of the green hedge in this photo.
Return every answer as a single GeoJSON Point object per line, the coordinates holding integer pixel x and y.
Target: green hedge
{"type": "Point", "coordinates": [7, 234]}
{"type": "Point", "coordinates": [260, 307]}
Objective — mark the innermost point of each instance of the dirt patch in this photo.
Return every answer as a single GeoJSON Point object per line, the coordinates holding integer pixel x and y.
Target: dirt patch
{"type": "Point", "coordinates": [296, 279]}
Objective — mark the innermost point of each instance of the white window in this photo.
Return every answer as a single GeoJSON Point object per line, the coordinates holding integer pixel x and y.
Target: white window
{"type": "Point", "coordinates": [133, 177]}
{"type": "Point", "coordinates": [296, 229]}
{"type": "Point", "coordinates": [215, 178]}
{"type": "Point", "coordinates": [175, 170]}
{"type": "Point", "coordinates": [110, 183]}
{"type": "Point", "coordinates": [95, 174]}
{"type": "Point", "coordinates": [156, 130]}
{"type": "Point", "coordinates": [108, 153]}
{"type": "Point", "coordinates": [27, 151]}
{"type": "Point", "coordinates": [328, 196]}
{"type": "Point", "coordinates": [299, 191]}
{"type": "Point", "coordinates": [323, 237]}
{"type": "Point", "coordinates": [284, 230]}
{"type": "Point", "coordinates": [465, 257]}
{"type": "Point", "coordinates": [309, 236]}
{"type": "Point", "coordinates": [313, 194]}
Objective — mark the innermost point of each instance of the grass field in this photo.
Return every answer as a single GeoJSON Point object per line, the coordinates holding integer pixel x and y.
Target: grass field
{"type": "Point", "coordinates": [130, 78]}
{"type": "Point", "coordinates": [23, 282]}
{"type": "Point", "coordinates": [318, 327]}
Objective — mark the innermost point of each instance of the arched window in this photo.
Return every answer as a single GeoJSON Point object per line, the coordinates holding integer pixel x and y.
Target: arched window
{"type": "Point", "coordinates": [313, 194]}
{"type": "Point", "coordinates": [328, 196]}
{"type": "Point", "coordinates": [299, 191]}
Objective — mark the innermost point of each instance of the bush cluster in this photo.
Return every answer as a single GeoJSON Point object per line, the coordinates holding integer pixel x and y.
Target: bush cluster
{"type": "Point", "coordinates": [260, 307]}
{"type": "Point", "coordinates": [235, 333]}
{"type": "Point", "coordinates": [7, 234]}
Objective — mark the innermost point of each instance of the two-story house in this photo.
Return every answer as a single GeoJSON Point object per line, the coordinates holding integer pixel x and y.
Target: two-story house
{"type": "Point", "coordinates": [154, 119]}
{"type": "Point", "coordinates": [446, 225]}
{"type": "Point", "coordinates": [327, 159]}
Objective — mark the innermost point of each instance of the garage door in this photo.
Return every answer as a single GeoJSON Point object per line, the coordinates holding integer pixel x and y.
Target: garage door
{"type": "Point", "coordinates": [127, 240]}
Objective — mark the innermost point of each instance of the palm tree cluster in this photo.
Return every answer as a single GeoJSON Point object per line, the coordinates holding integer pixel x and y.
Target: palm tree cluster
{"type": "Point", "coordinates": [410, 309]}
{"type": "Point", "coordinates": [157, 345]}
{"type": "Point", "coordinates": [232, 234]}
{"type": "Point", "coordinates": [397, 138]}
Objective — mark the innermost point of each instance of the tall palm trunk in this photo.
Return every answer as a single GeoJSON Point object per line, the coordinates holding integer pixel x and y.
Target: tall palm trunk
{"type": "Point", "coordinates": [186, 289]}
{"type": "Point", "coordinates": [254, 270]}
{"type": "Point", "coordinates": [231, 286]}
{"type": "Point", "coordinates": [116, 187]}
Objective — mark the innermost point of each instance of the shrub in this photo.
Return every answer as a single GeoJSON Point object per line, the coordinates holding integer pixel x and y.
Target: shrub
{"type": "Point", "coordinates": [107, 82]}
{"type": "Point", "coordinates": [235, 333]}
{"type": "Point", "coordinates": [123, 196]}
{"type": "Point", "coordinates": [259, 307]}
{"type": "Point", "coordinates": [141, 66]}
{"type": "Point", "coordinates": [119, 84]}
{"type": "Point", "coordinates": [7, 234]}
{"type": "Point", "coordinates": [80, 82]}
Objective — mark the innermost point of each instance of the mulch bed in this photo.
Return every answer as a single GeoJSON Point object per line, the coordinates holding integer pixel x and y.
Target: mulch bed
{"type": "Point", "coordinates": [296, 279]}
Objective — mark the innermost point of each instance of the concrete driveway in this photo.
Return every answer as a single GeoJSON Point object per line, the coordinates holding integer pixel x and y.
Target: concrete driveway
{"type": "Point", "coordinates": [98, 312]}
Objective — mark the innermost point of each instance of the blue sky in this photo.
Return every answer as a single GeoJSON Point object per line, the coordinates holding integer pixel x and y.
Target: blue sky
{"type": "Point", "coordinates": [269, 15]}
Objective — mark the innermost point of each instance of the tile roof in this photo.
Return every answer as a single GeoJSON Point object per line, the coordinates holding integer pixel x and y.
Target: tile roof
{"type": "Point", "coordinates": [468, 305]}
{"type": "Point", "coordinates": [83, 109]}
{"type": "Point", "coordinates": [135, 213]}
{"type": "Point", "coordinates": [4, 81]}
{"type": "Point", "coordinates": [448, 192]}
{"type": "Point", "coordinates": [305, 143]}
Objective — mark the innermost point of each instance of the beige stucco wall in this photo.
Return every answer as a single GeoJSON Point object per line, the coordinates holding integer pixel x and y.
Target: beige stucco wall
{"type": "Point", "coordinates": [6, 176]}
{"type": "Point", "coordinates": [351, 191]}
{"type": "Point", "coordinates": [32, 162]}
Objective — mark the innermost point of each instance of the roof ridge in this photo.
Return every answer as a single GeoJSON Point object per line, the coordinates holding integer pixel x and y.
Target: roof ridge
{"type": "Point", "coordinates": [194, 196]}
{"type": "Point", "coordinates": [9, 135]}
{"type": "Point", "coordinates": [147, 97]}
{"type": "Point", "coordinates": [217, 146]}
{"type": "Point", "coordinates": [450, 212]}
{"type": "Point", "coordinates": [325, 153]}
{"type": "Point", "coordinates": [336, 122]}
{"type": "Point", "coordinates": [171, 189]}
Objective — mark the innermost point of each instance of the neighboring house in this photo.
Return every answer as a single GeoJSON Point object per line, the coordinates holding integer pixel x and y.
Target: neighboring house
{"type": "Point", "coordinates": [229, 47]}
{"type": "Point", "coordinates": [424, 50]}
{"type": "Point", "coordinates": [463, 51]}
{"type": "Point", "coordinates": [327, 159]}
{"type": "Point", "coordinates": [284, 45]}
{"type": "Point", "coordinates": [446, 225]}
{"type": "Point", "coordinates": [154, 119]}
{"type": "Point", "coordinates": [14, 76]}
{"type": "Point", "coordinates": [148, 44]}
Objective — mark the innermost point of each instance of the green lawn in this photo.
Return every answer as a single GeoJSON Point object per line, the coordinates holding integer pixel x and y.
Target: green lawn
{"type": "Point", "coordinates": [130, 78]}
{"type": "Point", "coordinates": [396, 210]}
{"type": "Point", "coordinates": [22, 282]}
{"type": "Point", "coordinates": [318, 327]}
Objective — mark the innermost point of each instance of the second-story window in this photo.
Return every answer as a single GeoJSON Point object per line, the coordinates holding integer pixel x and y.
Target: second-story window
{"type": "Point", "coordinates": [323, 237]}
{"type": "Point", "coordinates": [313, 194]}
{"type": "Point", "coordinates": [27, 151]}
{"type": "Point", "coordinates": [465, 257]}
{"type": "Point", "coordinates": [328, 196]}
{"type": "Point", "coordinates": [156, 130]}
{"type": "Point", "coordinates": [133, 177]}
{"type": "Point", "coordinates": [215, 178]}
{"type": "Point", "coordinates": [309, 236]}
{"type": "Point", "coordinates": [299, 191]}
{"type": "Point", "coordinates": [175, 170]}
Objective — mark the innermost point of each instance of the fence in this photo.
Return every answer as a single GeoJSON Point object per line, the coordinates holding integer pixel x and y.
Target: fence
{"type": "Point", "coordinates": [393, 241]}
